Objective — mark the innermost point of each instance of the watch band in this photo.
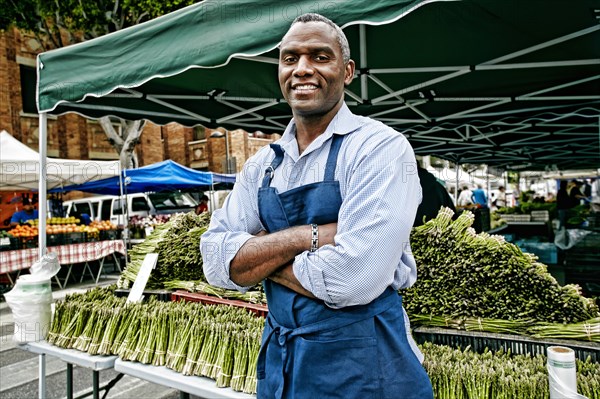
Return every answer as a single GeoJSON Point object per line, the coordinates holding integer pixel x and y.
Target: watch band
{"type": "Point", "coordinates": [314, 242]}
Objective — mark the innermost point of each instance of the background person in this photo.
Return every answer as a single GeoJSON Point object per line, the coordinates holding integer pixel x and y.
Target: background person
{"type": "Point", "coordinates": [465, 197]}
{"type": "Point", "coordinates": [563, 204]}
{"type": "Point", "coordinates": [327, 224]}
{"type": "Point", "coordinates": [479, 197]}
{"type": "Point", "coordinates": [500, 200]}
{"type": "Point", "coordinates": [435, 196]}
{"type": "Point", "coordinates": [575, 194]}
{"type": "Point", "coordinates": [27, 213]}
{"type": "Point", "coordinates": [203, 205]}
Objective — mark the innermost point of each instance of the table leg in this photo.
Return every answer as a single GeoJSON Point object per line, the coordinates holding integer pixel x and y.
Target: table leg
{"type": "Point", "coordinates": [100, 268]}
{"type": "Point", "coordinates": [10, 279]}
{"type": "Point", "coordinates": [87, 267]}
{"type": "Point", "coordinates": [69, 381]}
{"type": "Point", "coordinates": [42, 376]}
{"type": "Point", "coordinates": [58, 282]}
{"type": "Point", "coordinates": [114, 255]}
{"type": "Point", "coordinates": [96, 384]}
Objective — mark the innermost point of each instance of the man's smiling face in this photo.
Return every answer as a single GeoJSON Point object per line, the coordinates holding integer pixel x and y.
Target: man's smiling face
{"type": "Point", "coordinates": [312, 73]}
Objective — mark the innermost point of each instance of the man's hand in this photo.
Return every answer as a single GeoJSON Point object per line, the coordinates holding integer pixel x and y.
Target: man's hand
{"type": "Point", "coordinates": [285, 276]}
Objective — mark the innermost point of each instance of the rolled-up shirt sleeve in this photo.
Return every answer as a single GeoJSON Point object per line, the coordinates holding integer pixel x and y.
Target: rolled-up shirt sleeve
{"type": "Point", "coordinates": [372, 249]}
{"type": "Point", "coordinates": [230, 227]}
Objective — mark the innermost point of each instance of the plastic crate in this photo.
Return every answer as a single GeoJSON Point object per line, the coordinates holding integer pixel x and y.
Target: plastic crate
{"type": "Point", "coordinates": [53, 240]}
{"type": "Point", "coordinates": [517, 344]}
{"type": "Point", "coordinates": [540, 216]}
{"type": "Point", "coordinates": [28, 242]}
{"type": "Point", "coordinates": [516, 218]}
{"type": "Point", "coordinates": [109, 235]}
{"type": "Point", "coordinates": [257, 309]}
{"type": "Point", "coordinates": [545, 251]}
{"type": "Point", "coordinates": [10, 244]}
{"type": "Point", "coordinates": [76, 238]}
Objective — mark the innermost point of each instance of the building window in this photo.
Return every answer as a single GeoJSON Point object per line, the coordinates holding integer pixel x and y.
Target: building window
{"type": "Point", "coordinates": [199, 133]}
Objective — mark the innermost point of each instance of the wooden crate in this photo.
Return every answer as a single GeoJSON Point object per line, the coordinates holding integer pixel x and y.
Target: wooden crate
{"type": "Point", "coordinates": [257, 309]}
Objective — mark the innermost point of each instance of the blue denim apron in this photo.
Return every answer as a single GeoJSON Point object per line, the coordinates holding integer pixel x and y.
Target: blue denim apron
{"type": "Point", "coordinates": [310, 350]}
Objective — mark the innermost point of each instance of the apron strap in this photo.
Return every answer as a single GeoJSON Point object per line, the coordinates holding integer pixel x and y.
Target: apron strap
{"type": "Point", "coordinates": [274, 164]}
{"type": "Point", "coordinates": [336, 144]}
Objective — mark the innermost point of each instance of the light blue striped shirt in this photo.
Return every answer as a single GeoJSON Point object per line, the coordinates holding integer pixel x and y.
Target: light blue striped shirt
{"type": "Point", "coordinates": [380, 190]}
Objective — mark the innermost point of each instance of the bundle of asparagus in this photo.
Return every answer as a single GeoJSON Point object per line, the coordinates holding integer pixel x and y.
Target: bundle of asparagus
{"type": "Point", "coordinates": [465, 275]}
{"type": "Point", "coordinates": [177, 244]}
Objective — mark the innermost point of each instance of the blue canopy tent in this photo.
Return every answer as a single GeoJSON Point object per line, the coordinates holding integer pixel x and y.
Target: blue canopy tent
{"type": "Point", "coordinates": [162, 176]}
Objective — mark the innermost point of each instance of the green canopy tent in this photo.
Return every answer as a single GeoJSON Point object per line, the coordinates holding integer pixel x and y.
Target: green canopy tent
{"type": "Point", "coordinates": [508, 83]}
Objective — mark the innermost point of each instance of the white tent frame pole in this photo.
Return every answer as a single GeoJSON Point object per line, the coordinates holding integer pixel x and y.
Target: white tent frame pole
{"type": "Point", "coordinates": [244, 111]}
{"type": "Point", "coordinates": [456, 169]}
{"type": "Point", "coordinates": [421, 85]}
{"type": "Point", "coordinates": [124, 110]}
{"type": "Point", "coordinates": [353, 95]}
{"type": "Point", "coordinates": [127, 238]}
{"type": "Point", "coordinates": [42, 204]}
{"type": "Point", "coordinates": [562, 86]}
{"type": "Point", "coordinates": [524, 65]}
{"type": "Point", "coordinates": [171, 106]}
{"type": "Point", "coordinates": [468, 69]}
{"type": "Point", "coordinates": [364, 82]}
{"type": "Point", "coordinates": [258, 58]}
{"type": "Point", "coordinates": [543, 45]}
{"type": "Point", "coordinates": [410, 105]}
{"type": "Point", "coordinates": [521, 98]}
{"type": "Point", "coordinates": [487, 178]}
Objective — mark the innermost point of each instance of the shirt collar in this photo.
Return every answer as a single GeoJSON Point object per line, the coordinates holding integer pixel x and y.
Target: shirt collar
{"type": "Point", "coordinates": [344, 122]}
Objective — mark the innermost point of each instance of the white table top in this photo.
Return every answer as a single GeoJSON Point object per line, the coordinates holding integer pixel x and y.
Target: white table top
{"type": "Point", "coordinates": [71, 356]}
{"type": "Point", "coordinates": [199, 386]}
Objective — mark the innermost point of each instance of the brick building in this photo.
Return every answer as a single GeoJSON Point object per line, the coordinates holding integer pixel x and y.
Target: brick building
{"type": "Point", "coordinates": [75, 137]}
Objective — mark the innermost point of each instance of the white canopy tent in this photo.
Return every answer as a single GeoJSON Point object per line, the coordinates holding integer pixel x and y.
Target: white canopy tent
{"type": "Point", "coordinates": [20, 168]}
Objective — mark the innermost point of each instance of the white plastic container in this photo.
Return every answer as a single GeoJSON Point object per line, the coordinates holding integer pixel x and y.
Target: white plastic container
{"type": "Point", "coordinates": [31, 303]}
{"type": "Point", "coordinates": [562, 374]}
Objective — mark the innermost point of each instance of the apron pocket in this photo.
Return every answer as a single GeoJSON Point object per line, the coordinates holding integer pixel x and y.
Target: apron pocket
{"type": "Point", "coordinates": [343, 368]}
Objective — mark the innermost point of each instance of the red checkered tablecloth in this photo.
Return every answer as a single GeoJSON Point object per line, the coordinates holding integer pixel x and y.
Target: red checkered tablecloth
{"type": "Point", "coordinates": [11, 261]}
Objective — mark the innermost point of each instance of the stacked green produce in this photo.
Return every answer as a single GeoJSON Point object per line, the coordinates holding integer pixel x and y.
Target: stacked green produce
{"type": "Point", "coordinates": [177, 244]}
{"type": "Point", "coordinates": [222, 343]}
{"type": "Point", "coordinates": [462, 274]}
{"type": "Point", "coordinates": [218, 342]}
{"type": "Point", "coordinates": [457, 374]}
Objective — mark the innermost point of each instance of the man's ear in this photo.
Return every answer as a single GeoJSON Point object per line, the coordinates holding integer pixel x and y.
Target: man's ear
{"type": "Point", "coordinates": [349, 72]}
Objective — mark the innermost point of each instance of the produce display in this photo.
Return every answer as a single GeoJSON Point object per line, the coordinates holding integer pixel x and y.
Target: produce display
{"type": "Point", "coordinates": [463, 274]}
{"type": "Point", "coordinates": [218, 342]}
{"type": "Point", "coordinates": [457, 374]}
{"type": "Point", "coordinates": [222, 343]}
{"type": "Point", "coordinates": [60, 226]}
{"type": "Point", "coordinates": [177, 243]}
{"type": "Point", "coordinates": [5, 234]}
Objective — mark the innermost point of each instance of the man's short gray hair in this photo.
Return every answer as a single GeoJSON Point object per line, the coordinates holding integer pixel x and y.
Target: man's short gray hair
{"type": "Point", "coordinates": [341, 37]}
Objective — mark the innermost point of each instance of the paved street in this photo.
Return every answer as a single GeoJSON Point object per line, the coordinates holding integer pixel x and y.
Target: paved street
{"type": "Point", "coordinates": [19, 369]}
